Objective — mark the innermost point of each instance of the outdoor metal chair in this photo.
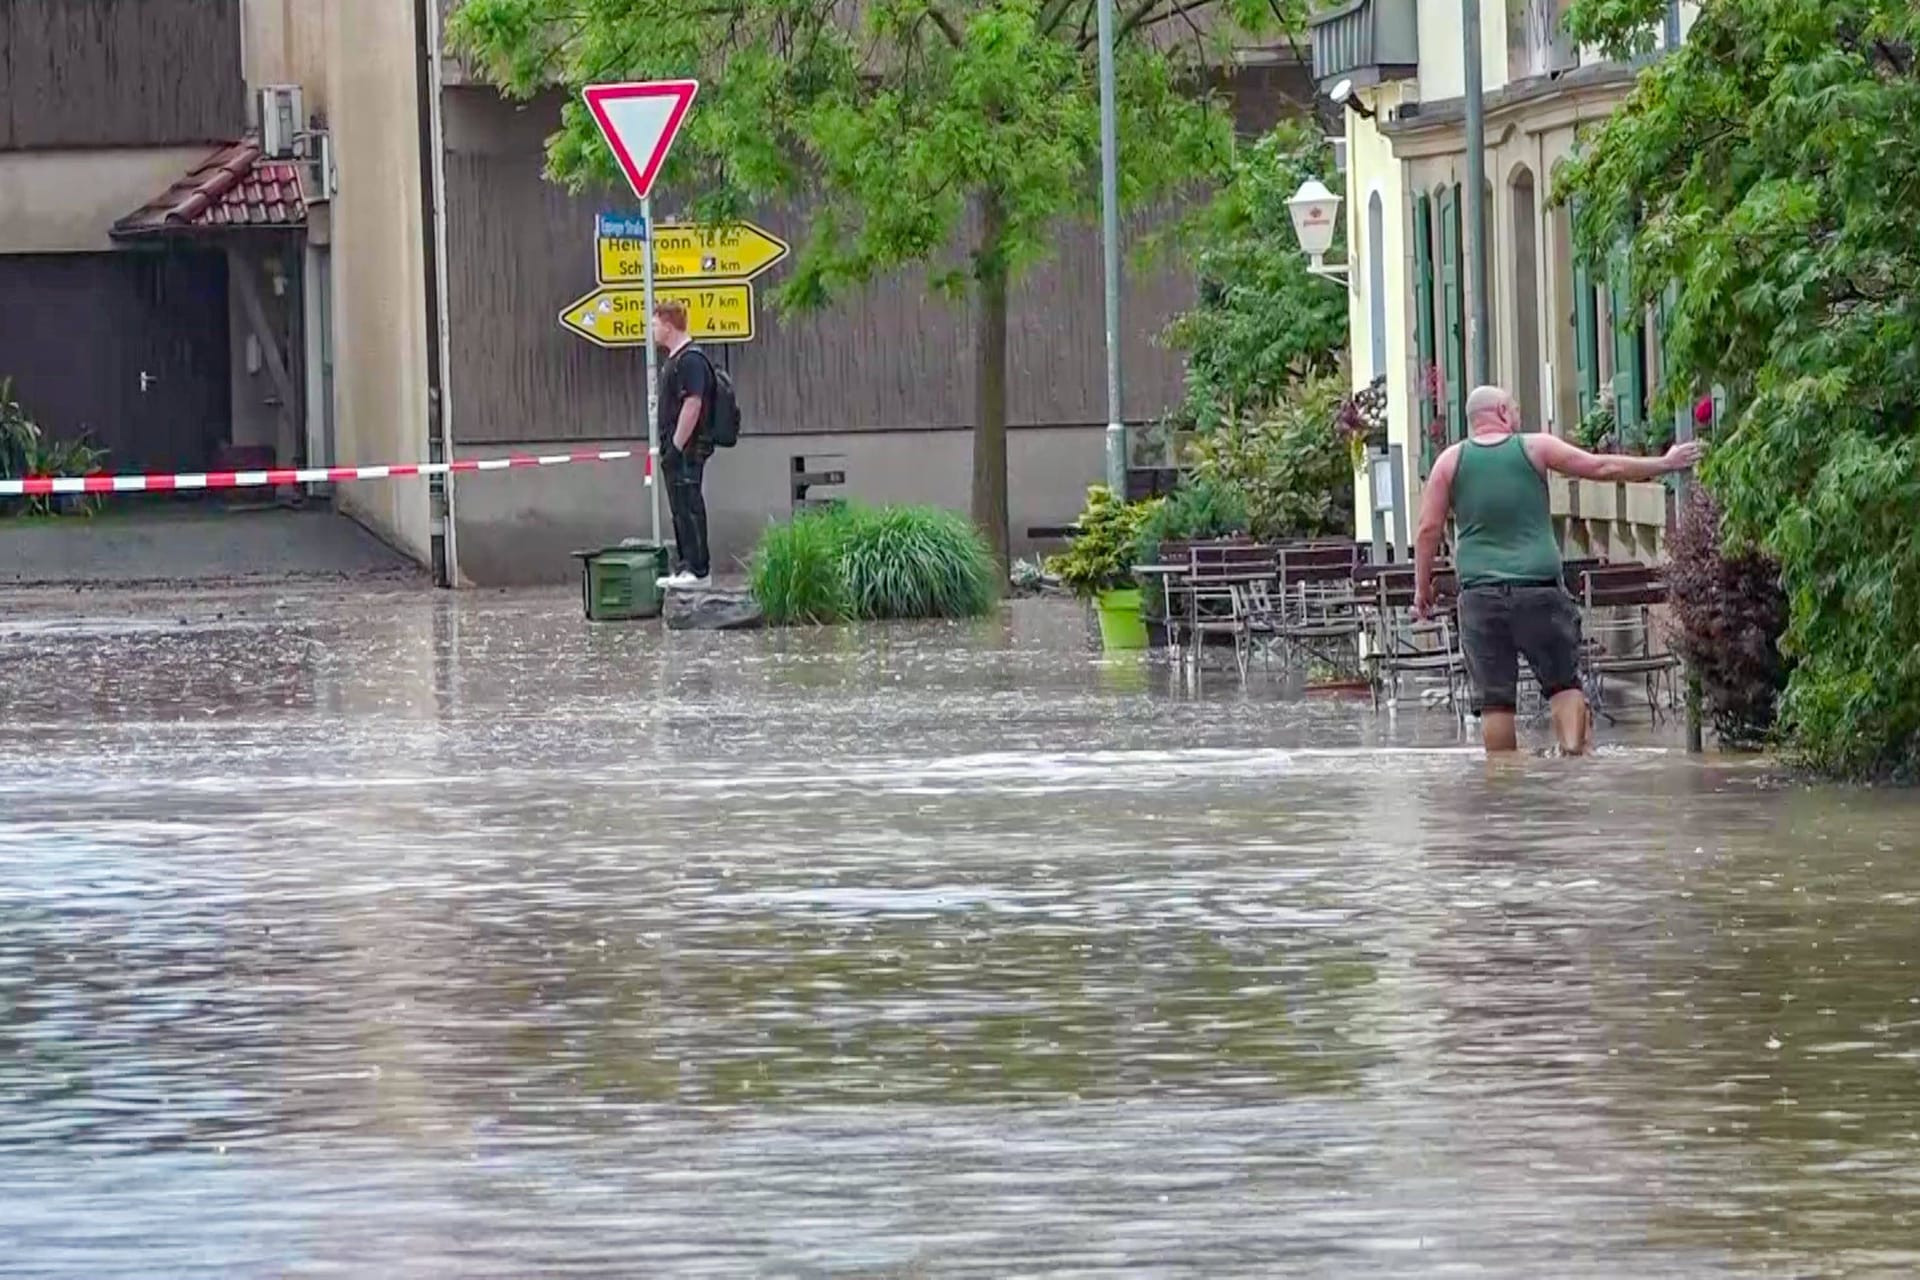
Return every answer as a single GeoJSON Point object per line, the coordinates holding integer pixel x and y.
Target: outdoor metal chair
{"type": "Point", "coordinates": [1220, 584]}
{"type": "Point", "coordinates": [1174, 572]}
{"type": "Point", "coordinates": [1317, 610]}
{"type": "Point", "coordinates": [1620, 640]}
{"type": "Point", "coordinates": [1406, 646]}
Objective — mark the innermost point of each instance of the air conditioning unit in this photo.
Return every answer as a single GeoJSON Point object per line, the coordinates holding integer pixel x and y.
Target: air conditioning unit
{"type": "Point", "coordinates": [283, 118]}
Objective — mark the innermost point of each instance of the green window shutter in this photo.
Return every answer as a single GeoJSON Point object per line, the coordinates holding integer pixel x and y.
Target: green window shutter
{"type": "Point", "coordinates": [1629, 351]}
{"type": "Point", "coordinates": [1453, 290]}
{"type": "Point", "coordinates": [1586, 327]}
{"type": "Point", "coordinates": [1425, 353]}
{"type": "Point", "coordinates": [1586, 339]}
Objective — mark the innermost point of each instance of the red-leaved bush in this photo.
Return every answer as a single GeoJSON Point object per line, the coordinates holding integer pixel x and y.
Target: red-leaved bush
{"type": "Point", "coordinates": [1728, 614]}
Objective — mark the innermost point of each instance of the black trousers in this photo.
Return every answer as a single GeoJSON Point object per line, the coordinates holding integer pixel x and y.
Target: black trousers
{"type": "Point", "coordinates": [684, 473]}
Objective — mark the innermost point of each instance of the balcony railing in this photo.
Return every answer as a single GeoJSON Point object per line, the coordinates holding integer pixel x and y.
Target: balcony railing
{"type": "Point", "coordinates": [1366, 41]}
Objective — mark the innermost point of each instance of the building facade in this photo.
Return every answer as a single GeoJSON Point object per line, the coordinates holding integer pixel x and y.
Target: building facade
{"type": "Point", "coordinates": [296, 232]}
{"type": "Point", "coordinates": [184, 272]}
{"type": "Point", "coordinates": [1557, 339]}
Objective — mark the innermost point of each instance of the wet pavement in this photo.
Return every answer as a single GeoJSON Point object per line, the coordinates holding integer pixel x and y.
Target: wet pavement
{"type": "Point", "coordinates": [407, 934]}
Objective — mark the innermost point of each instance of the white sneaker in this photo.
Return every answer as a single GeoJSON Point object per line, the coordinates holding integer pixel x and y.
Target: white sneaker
{"type": "Point", "coordinates": [683, 580]}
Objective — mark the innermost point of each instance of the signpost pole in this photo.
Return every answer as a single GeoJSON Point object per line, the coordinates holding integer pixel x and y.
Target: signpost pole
{"type": "Point", "coordinates": [653, 379]}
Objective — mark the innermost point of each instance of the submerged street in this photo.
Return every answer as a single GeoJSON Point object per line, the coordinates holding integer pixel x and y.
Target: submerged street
{"type": "Point", "coordinates": [361, 932]}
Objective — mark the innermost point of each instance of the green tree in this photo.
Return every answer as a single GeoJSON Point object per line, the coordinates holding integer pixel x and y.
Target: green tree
{"type": "Point", "coordinates": [954, 133]}
{"type": "Point", "coordinates": [1262, 323]}
{"type": "Point", "coordinates": [1769, 170]}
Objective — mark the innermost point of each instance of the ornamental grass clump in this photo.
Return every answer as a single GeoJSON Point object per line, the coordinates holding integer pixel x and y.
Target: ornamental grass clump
{"type": "Point", "coordinates": [852, 563]}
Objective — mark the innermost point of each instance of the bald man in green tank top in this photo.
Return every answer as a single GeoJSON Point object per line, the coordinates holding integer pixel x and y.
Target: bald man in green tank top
{"type": "Point", "coordinates": [1513, 603]}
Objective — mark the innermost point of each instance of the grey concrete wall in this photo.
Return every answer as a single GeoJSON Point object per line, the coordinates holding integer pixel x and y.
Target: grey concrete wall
{"type": "Point", "coordinates": [518, 527]}
{"type": "Point", "coordinates": [380, 376]}
{"type": "Point", "coordinates": [67, 201]}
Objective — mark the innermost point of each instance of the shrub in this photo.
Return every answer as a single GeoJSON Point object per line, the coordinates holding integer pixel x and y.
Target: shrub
{"type": "Point", "coordinates": [850, 563]}
{"type": "Point", "coordinates": [1203, 507]}
{"type": "Point", "coordinates": [796, 574]}
{"type": "Point", "coordinates": [915, 562]}
{"type": "Point", "coordinates": [1293, 463]}
{"type": "Point", "coordinates": [1101, 556]}
{"type": "Point", "coordinates": [1728, 616]}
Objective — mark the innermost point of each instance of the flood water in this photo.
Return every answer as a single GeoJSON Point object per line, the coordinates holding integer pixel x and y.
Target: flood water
{"type": "Point", "coordinates": [419, 935]}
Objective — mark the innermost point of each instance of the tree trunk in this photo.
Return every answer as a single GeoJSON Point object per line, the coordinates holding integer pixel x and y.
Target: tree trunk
{"type": "Point", "coordinates": [990, 381]}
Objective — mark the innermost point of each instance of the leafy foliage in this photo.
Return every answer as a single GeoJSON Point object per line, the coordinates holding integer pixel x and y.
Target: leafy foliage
{"type": "Point", "coordinates": [1729, 613]}
{"type": "Point", "coordinates": [19, 433]}
{"type": "Point", "coordinates": [1293, 463]}
{"type": "Point", "coordinates": [1598, 430]}
{"type": "Point", "coordinates": [796, 574]}
{"type": "Point", "coordinates": [1262, 323]}
{"type": "Point", "coordinates": [1770, 168]}
{"type": "Point", "coordinates": [25, 450]}
{"type": "Point", "coordinates": [1203, 507]}
{"type": "Point", "coordinates": [955, 134]}
{"type": "Point", "coordinates": [914, 562]}
{"type": "Point", "coordinates": [852, 563]}
{"type": "Point", "coordinates": [1101, 556]}
{"type": "Point", "coordinates": [1362, 416]}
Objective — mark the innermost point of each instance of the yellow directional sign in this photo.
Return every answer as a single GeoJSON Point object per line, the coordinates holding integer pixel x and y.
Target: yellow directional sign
{"type": "Point", "coordinates": [617, 317]}
{"type": "Point", "coordinates": [683, 252]}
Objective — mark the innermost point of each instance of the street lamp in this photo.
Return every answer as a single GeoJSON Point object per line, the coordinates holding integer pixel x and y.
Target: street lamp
{"type": "Point", "coordinates": [1315, 212]}
{"type": "Point", "coordinates": [1110, 249]}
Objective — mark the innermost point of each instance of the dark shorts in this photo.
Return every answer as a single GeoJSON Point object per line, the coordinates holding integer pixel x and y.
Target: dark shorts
{"type": "Point", "coordinates": [1499, 625]}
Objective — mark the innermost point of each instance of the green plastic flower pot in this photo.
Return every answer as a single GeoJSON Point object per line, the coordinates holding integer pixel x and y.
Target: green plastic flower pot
{"type": "Point", "coordinates": [1121, 626]}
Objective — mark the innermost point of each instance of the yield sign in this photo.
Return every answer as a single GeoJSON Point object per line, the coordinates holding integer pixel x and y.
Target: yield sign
{"type": "Point", "coordinates": [639, 122]}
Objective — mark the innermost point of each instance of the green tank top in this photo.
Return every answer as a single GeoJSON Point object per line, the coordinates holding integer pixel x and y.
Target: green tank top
{"type": "Point", "coordinates": [1503, 525]}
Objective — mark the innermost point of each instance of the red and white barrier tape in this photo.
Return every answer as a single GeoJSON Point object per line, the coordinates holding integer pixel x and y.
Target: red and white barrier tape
{"type": "Point", "coordinates": [37, 486]}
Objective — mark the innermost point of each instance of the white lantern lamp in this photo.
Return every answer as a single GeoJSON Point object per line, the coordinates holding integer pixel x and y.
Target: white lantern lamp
{"type": "Point", "coordinates": [1316, 212]}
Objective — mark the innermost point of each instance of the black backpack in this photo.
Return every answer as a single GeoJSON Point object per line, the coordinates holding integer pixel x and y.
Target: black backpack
{"type": "Point", "coordinates": [723, 415]}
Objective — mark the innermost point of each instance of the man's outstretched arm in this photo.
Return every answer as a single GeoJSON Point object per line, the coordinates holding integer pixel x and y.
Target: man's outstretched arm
{"type": "Point", "coordinates": [1435, 505]}
{"type": "Point", "coordinates": [1550, 453]}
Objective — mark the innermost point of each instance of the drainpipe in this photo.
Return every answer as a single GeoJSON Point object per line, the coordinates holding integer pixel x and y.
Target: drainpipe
{"type": "Point", "coordinates": [1478, 340]}
{"type": "Point", "coordinates": [433, 186]}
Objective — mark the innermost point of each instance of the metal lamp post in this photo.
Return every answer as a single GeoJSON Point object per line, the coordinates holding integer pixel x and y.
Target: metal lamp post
{"type": "Point", "coordinates": [1479, 341]}
{"type": "Point", "coordinates": [1110, 247]}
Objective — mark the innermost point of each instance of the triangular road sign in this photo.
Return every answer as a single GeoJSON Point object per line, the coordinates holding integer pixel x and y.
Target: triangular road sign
{"type": "Point", "coordinates": [639, 121]}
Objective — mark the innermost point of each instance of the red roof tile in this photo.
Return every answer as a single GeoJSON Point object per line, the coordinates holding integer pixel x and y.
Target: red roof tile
{"type": "Point", "coordinates": [232, 188]}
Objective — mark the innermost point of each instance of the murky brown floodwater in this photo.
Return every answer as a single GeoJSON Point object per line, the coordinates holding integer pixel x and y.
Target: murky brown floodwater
{"type": "Point", "coordinates": [423, 936]}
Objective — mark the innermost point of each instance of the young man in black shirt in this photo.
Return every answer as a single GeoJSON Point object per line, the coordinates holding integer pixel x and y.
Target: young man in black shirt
{"type": "Point", "coordinates": [686, 391]}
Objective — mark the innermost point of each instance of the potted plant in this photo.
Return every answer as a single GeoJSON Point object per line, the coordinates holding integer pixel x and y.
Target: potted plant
{"type": "Point", "coordinates": [1098, 565]}
{"type": "Point", "coordinates": [1598, 430]}
{"type": "Point", "coordinates": [1362, 420]}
